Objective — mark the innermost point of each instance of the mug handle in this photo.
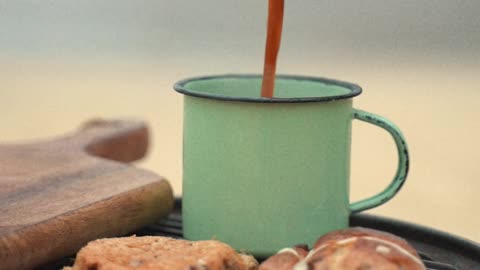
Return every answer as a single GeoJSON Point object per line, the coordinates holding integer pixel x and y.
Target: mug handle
{"type": "Point", "coordinates": [403, 162]}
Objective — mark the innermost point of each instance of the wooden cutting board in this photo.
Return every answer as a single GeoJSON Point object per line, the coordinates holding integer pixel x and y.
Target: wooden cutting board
{"type": "Point", "coordinates": [57, 195]}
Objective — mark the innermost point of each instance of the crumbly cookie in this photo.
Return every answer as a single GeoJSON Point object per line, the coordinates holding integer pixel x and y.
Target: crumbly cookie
{"type": "Point", "coordinates": [160, 253]}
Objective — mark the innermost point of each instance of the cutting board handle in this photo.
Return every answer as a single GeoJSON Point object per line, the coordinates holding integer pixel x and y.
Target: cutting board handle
{"type": "Point", "coordinates": [56, 195]}
{"type": "Point", "coordinates": [118, 140]}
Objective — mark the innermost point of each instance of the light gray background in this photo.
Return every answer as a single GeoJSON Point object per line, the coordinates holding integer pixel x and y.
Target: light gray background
{"type": "Point", "coordinates": [178, 28]}
{"type": "Point", "coordinates": [65, 61]}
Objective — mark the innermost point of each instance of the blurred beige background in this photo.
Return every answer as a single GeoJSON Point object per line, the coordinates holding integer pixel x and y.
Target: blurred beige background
{"type": "Point", "coordinates": [63, 62]}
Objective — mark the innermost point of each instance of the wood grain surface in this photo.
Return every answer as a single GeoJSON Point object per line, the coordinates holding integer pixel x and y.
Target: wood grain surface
{"type": "Point", "coordinates": [57, 195]}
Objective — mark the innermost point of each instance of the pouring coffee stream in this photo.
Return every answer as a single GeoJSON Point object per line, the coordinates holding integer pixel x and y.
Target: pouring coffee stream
{"type": "Point", "coordinates": [274, 35]}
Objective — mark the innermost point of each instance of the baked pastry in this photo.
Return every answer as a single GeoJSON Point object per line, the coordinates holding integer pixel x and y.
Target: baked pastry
{"type": "Point", "coordinates": [160, 253]}
{"type": "Point", "coordinates": [349, 249]}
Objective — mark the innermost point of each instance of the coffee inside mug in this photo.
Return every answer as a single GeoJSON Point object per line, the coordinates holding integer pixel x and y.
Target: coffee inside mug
{"type": "Point", "coordinates": [287, 88]}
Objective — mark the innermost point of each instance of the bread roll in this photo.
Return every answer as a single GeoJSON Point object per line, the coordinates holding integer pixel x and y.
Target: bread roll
{"type": "Point", "coordinates": [349, 249]}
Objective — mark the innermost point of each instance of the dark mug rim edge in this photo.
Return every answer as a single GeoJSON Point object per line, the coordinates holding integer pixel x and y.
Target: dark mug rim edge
{"type": "Point", "coordinates": [355, 89]}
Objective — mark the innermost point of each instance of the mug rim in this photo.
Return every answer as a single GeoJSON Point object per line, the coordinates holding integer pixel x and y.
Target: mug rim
{"type": "Point", "coordinates": [354, 89]}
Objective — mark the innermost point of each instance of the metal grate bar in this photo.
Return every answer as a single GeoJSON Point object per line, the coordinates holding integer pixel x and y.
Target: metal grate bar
{"type": "Point", "coordinates": [437, 265]}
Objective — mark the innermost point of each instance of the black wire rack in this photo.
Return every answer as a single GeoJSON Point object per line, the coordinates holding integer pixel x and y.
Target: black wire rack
{"type": "Point", "coordinates": [438, 250]}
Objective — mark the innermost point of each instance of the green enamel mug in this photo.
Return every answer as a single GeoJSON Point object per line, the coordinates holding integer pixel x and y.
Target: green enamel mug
{"type": "Point", "coordinates": [262, 174]}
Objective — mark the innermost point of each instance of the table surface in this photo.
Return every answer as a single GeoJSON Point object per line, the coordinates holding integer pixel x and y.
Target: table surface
{"type": "Point", "coordinates": [435, 103]}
